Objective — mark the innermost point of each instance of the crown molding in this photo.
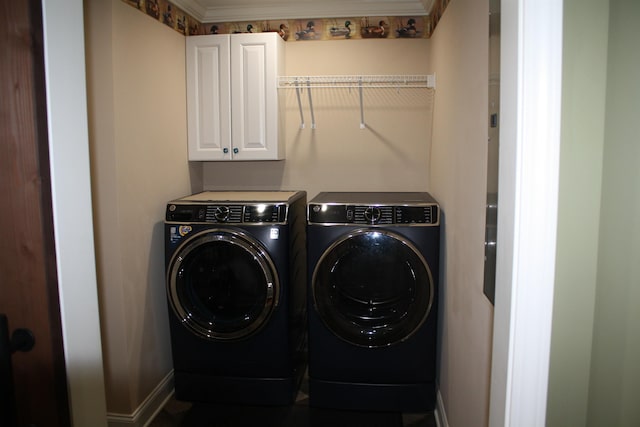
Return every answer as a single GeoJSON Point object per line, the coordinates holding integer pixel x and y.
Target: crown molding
{"type": "Point", "coordinates": [226, 12]}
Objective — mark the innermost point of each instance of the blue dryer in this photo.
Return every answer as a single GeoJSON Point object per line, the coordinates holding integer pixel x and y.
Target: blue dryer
{"type": "Point", "coordinates": [373, 290]}
{"type": "Point", "coordinates": [236, 290]}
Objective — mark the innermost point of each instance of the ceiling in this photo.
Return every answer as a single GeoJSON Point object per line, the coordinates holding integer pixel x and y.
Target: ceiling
{"type": "Point", "coordinates": [207, 11]}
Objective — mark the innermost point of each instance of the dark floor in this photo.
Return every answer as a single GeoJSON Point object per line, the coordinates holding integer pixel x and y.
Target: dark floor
{"type": "Point", "coordinates": [185, 414]}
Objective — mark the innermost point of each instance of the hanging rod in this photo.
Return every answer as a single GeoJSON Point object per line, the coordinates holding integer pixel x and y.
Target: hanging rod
{"type": "Point", "coordinates": [354, 81]}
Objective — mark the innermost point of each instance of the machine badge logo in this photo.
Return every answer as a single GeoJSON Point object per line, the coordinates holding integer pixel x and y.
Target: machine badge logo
{"type": "Point", "coordinates": [184, 230]}
{"type": "Point", "coordinates": [274, 234]}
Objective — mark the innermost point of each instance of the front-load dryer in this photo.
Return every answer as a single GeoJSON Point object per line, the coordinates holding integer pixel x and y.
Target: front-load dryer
{"type": "Point", "coordinates": [236, 289]}
{"type": "Point", "coordinates": [373, 290]}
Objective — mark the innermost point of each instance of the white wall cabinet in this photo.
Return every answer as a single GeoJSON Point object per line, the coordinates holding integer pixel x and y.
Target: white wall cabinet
{"type": "Point", "coordinates": [232, 97]}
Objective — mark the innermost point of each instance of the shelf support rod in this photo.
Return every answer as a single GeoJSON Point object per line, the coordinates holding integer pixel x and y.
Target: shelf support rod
{"type": "Point", "coordinates": [299, 105]}
{"type": "Point", "coordinates": [313, 117]}
{"type": "Point", "coordinates": [362, 125]}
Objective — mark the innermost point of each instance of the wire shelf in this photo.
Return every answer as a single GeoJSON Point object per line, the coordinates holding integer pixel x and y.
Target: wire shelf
{"type": "Point", "coordinates": [356, 81]}
{"type": "Point", "coordinates": [362, 82]}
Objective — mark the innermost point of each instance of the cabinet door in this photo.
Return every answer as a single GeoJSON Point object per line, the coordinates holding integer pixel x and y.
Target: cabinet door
{"type": "Point", "coordinates": [256, 62]}
{"type": "Point", "coordinates": [208, 97]}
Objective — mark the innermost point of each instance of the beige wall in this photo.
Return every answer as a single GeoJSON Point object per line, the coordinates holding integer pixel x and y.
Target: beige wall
{"type": "Point", "coordinates": [138, 146]}
{"type": "Point", "coordinates": [416, 140]}
{"type": "Point", "coordinates": [459, 54]}
{"type": "Point", "coordinates": [391, 154]}
{"type": "Point", "coordinates": [136, 96]}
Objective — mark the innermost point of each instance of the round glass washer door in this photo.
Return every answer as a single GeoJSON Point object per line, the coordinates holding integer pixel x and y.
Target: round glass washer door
{"type": "Point", "coordinates": [372, 288]}
{"type": "Point", "coordinates": [222, 285]}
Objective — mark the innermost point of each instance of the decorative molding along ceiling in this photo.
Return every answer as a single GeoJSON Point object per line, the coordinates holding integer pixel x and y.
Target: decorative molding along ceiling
{"type": "Point", "coordinates": [208, 11]}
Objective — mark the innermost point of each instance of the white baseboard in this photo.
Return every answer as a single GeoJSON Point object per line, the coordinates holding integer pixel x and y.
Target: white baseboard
{"type": "Point", "coordinates": [148, 409]}
{"type": "Point", "coordinates": [440, 414]}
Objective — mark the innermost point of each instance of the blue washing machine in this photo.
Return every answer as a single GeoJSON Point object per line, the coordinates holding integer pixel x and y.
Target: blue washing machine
{"type": "Point", "coordinates": [373, 290]}
{"type": "Point", "coordinates": [236, 289]}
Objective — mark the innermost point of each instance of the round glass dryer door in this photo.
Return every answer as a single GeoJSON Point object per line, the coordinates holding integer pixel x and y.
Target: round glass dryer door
{"type": "Point", "coordinates": [372, 288]}
{"type": "Point", "coordinates": [222, 285]}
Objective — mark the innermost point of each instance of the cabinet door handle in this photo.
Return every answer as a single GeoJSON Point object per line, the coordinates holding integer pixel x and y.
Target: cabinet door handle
{"type": "Point", "coordinates": [225, 150]}
{"type": "Point", "coordinates": [235, 151]}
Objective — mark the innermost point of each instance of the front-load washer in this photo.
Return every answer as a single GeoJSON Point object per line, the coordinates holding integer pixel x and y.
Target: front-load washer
{"type": "Point", "coordinates": [236, 289]}
{"type": "Point", "coordinates": [373, 291]}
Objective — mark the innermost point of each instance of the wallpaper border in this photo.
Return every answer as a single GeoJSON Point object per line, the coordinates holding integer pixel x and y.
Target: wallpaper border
{"type": "Point", "coordinates": [312, 28]}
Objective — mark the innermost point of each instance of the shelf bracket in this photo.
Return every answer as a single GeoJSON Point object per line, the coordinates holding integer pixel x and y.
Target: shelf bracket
{"type": "Point", "coordinates": [299, 104]}
{"type": "Point", "coordinates": [313, 117]}
{"type": "Point", "coordinates": [362, 125]}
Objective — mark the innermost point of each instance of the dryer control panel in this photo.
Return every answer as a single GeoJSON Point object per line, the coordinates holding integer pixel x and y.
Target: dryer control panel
{"type": "Point", "coordinates": [331, 213]}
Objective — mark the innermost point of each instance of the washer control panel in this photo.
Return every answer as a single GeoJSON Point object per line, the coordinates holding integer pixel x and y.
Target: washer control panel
{"type": "Point", "coordinates": [258, 213]}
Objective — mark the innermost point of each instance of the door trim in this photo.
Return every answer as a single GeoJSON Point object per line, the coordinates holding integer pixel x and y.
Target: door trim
{"type": "Point", "coordinates": [72, 209]}
{"type": "Point", "coordinates": [531, 86]}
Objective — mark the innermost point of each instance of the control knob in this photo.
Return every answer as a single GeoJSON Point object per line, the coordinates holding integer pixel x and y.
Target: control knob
{"type": "Point", "coordinates": [372, 214]}
{"type": "Point", "coordinates": [221, 213]}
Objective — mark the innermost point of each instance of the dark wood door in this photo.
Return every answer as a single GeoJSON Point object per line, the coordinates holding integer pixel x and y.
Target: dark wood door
{"type": "Point", "coordinates": [28, 284]}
